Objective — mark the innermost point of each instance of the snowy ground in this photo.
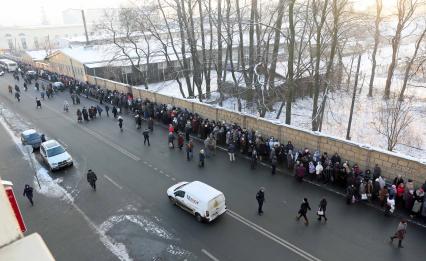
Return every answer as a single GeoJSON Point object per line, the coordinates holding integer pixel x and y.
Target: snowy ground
{"type": "Point", "coordinates": [338, 105]}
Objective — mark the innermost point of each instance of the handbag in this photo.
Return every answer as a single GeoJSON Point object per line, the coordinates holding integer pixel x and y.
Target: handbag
{"type": "Point", "coordinates": [320, 213]}
{"type": "Point", "coordinates": [364, 196]}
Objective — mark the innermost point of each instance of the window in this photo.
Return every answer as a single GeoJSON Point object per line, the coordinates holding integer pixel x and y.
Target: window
{"type": "Point", "coordinates": [180, 193]}
{"type": "Point", "coordinates": [10, 43]}
{"type": "Point", "coordinates": [36, 45]}
{"type": "Point", "coordinates": [24, 43]}
{"type": "Point", "coordinates": [55, 151]}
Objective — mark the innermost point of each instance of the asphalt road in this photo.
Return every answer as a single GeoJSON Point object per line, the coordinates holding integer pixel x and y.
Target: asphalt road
{"type": "Point", "coordinates": [129, 216]}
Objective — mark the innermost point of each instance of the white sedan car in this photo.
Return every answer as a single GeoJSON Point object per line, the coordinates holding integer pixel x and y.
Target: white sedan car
{"type": "Point", "coordinates": [55, 155]}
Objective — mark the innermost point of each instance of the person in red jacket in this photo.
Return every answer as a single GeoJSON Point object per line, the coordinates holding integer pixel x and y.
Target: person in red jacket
{"type": "Point", "coordinates": [399, 195]}
{"type": "Point", "coordinates": [180, 140]}
{"type": "Point", "coordinates": [171, 128]}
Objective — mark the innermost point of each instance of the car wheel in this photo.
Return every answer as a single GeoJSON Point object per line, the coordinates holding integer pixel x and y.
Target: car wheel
{"type": "Point", "coordinates": [172, 200]}
{"type": "Point", "coordinates": [198, 218]}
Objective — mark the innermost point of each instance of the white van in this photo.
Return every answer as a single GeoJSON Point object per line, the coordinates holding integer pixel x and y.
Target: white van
{"type": "Point", "coordinates": [201, 200]}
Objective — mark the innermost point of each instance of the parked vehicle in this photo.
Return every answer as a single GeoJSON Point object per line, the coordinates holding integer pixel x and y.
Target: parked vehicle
{"type": "Point", "coordinates": [201, 200]}
{"type": "Point", "coordinates": [55, 156]}
{"type": "Point", "coordinates": [31, 137]}
{"type": "Point", "coordinates": [58, 86]}
{"type": "Point", "coordinates": [1, 73]}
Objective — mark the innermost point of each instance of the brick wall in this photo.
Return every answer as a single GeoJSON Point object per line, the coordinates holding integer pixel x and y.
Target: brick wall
{"type": "Point", "coordinates": [392, 164]}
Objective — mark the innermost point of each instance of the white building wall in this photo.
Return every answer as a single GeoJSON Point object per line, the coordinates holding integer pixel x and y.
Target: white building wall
{"type": "Point", "coordinates": [38, 37]}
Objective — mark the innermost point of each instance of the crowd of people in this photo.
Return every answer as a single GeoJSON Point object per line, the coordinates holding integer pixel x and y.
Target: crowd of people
{"type": "Point", "coordinates": [184, 126]}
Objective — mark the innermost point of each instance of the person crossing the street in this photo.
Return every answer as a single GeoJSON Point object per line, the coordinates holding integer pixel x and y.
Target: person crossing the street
{"type": "Point", "coordinates": [92, 178]}
{"type": "Point", "coordinates": [400, 233]}
{"type": "Point", "coordinates": [304, 207]}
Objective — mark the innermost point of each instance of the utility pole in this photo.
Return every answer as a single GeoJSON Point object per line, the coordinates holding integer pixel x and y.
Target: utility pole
{"type": "Point", "coordinates": [348, 133]}
{"type": "Point", "coordinates": [85, 27]}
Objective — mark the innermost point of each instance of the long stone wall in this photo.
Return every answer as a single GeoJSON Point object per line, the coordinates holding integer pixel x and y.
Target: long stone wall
{"type": "Point", "coordinates": [365, 156]}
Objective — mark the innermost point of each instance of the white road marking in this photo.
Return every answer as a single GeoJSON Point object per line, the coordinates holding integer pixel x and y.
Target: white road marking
{"type": "Point", "coordinates": [63, 143]}
{"type": "Point", "coordinates": [212, 257]}
{"type": "Point", "coordinates": [302, 253]}
{"type": "Point", "coordinates": [167, 175]}
{"type": "Point", "coordinates": [113, 182]}
{"type": "Point", "coordinates": [149, 165]}
{"type": "Point", "coordinates": [173, 179]}
{"type": "Point", "coordinates": [162, 172]}
{"type": "Point", "coordinates": [155, 169]}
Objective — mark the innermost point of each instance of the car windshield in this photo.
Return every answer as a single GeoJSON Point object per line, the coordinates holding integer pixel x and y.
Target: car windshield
{"type": "Point", "coordinates": [55, 151]}
{"type": "Point", "coordinates": [33, 136]}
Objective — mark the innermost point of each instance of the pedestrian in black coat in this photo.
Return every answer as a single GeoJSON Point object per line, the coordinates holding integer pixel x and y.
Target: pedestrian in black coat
{"type": "Point", "coordinates": [151, 124]}
{"type": "Point", "coordinates": [260, 197]}
{"type": "Point", "coordinates": [274, 162]}
{"type": "Point", "coordinates": [202, 158]}
{"type": "Point", "coordinates": [321, 209]}
{"type": "Point", "coordinates": [146, 136]}
{"type": "Point", "coordinates": [304, 207]}
{"type": "Point", "coordinates": [114, 111]}
{"type": "Point", "coordinates": [91, 178]}
{"type": "Point", "coordinates": [107, 109]}
{"type": "Point", "coordinates": [28, 192]}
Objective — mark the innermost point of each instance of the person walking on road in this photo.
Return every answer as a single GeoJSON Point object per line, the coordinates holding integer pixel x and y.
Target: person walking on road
{"type": "Point", "coordinates": [274, 162]}
{"type": "Point", "coordinates": [114, 112]}
{"type": "Point", "coordinates": [260, 197]}
{"type": "Point", "coordinates": [321, 210]}
{"type": "Point", "coordinates": [38, 103]}
{"type": "Point", "coordinates": [231, 152]}
{"type": "Point", "coordinates": [91, 178]}
{"type": "Point", "coordinates": [189, 147]}
{"type": "Point", "coordinates": [28, 192]}
{"type": "Point", "coordinates": [171, 140]}
{"type": "Point", "coordinates": [202, 158]}
{"type": "Point", "coordinates": [120, 123]}
{"type": "Point", "coordinates": [18, 96]}
{"type": "Point", "coordinates": [99, 109]}
{"type": "Point", "coordinates": [400, 232]}
{"type": "Point", "coordinates": [253, 162]}
{"type": "Point", "coordinates": [107, 109]}
{"type": "Point", "coordinates": [146, 136]}
{"type": "Point", "coordinates": [151, 124]}
{"type": "Point", "coordinates": [304, 207]}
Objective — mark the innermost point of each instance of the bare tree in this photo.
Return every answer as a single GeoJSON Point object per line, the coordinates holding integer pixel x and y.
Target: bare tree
{"type": "Point", "coordinates": [319, 12]}
{"type": "Point", "coordinates": [406, 9]}
{"type": "Point", "coordinates": [393, 120]}
{"type": "Point", "coordinates": [290, 65]}
{"type": "Point", "coordinates": [379, 18]}
{"type": "Point", "coordinates": [410, 63]}
{"type": "Point", "coordinates": [348, 131]}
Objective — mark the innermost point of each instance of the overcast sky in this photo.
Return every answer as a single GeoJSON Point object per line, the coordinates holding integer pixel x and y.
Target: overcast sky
{"type": "Point", "coordinates": [29, 12]}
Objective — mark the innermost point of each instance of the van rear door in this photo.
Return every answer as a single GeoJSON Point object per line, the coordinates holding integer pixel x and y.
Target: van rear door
{"type": "Point", "coordinates": [216, 206]}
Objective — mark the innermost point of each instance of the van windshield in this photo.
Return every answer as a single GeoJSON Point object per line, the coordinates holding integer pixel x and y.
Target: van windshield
{"type": "Point", "coordinates": [179, 187]}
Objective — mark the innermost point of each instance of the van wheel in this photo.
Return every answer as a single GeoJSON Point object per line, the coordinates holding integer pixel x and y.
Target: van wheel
{"type": "Point", "coordinates": [172, 200]}
{"type": "Point", "coordinates": [198, 218]}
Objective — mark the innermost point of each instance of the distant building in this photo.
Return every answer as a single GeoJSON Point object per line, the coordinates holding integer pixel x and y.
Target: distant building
{"type": "Point", "coordinates": [21, 38]}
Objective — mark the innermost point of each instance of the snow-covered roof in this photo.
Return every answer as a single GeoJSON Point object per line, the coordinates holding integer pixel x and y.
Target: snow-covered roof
{"type": "Point", "coordinates": [38, 55]}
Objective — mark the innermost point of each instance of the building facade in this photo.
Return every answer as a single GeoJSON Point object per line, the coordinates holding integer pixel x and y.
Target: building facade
{"type": "Point", "coordinates": [21, 38]}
